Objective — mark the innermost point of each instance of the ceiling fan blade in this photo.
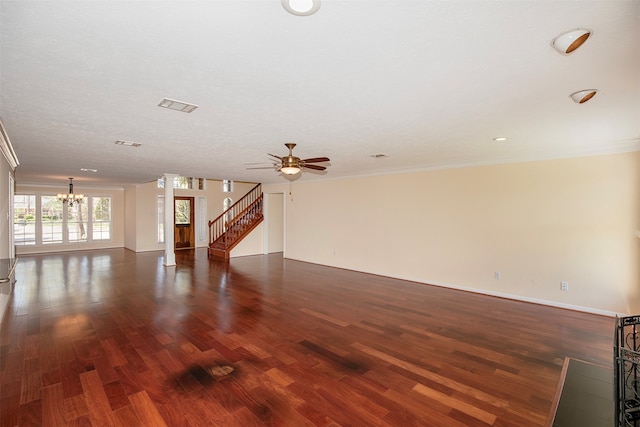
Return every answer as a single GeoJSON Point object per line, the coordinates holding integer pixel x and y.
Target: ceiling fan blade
{"type": "Point", "coordinates": [263, 167]}
{"type": "Point", "coordinates": [273, 155]}
{"type": "Point", "coordinates": [257, 163]}
{"type": "Point", "coordinates": [316, 167]}
{"type": "Point", "coordinates": [316, 160]}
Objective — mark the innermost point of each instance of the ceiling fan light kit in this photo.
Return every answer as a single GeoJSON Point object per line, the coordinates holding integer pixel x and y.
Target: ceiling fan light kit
{"type": "Point", "coordinates": [290, 170]}
{"type": "Point", "coordinates": [291, 165]}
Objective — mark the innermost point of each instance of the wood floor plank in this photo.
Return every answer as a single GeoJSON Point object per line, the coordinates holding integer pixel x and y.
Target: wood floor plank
{"type": "Point", "coordinates": [146, 410]}
{"type": "Point", "coordinates": [99, 407]}
{"type": "Point", "coordinates": [53, 406]}
{"type": "Point", "coordinates": [264, 340]}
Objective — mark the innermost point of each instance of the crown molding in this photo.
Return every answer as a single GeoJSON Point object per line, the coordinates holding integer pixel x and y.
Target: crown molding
{"type": "Point", "coordinates": [7, 149]}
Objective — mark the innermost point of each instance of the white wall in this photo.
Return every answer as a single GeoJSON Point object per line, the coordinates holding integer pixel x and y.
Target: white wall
{"type": "Point", "coordinates": [537, 223]}
{"type": "Point", "coordinates": [5, 223]}
{"type": "Point", "coordinates": [130, 223]}
{"type": "Point", "coordinates": [5, 229]}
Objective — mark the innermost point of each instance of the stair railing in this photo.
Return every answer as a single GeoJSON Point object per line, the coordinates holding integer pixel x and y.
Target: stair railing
{"type": "Point", "coordinates": [248, 208]}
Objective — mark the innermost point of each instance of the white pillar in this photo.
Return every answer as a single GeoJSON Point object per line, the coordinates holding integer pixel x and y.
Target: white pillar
{"type": "Point", "coordinates": [169, 222]}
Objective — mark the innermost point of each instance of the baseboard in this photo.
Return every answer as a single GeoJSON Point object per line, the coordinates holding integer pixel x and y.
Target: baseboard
{"type": "Point", "coordinates": [533, 300]}
{"type": "Point", "coordinates": [521, 298]}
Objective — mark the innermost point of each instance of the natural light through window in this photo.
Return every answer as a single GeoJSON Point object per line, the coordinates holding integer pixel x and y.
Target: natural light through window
{"type": "Point", "coordinates": [42, 219]}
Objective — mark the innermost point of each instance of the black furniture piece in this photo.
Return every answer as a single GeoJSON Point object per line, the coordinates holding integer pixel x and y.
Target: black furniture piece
{"type": "Point", "coordinates": [627, 371]}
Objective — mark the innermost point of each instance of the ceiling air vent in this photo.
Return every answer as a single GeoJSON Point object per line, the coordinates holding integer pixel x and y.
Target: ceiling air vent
{"type": "Point", "coordinates": [172, 104]}
{"type": "Point", "coordinates": [128, 143]}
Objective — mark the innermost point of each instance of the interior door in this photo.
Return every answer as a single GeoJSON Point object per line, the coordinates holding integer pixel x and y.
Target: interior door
{"type": "Point", "coordinates": [184, 228]}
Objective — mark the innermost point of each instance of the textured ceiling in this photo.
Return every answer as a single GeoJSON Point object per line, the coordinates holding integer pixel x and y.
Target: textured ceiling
{"type": "Point", "coordinates": [428, 83]}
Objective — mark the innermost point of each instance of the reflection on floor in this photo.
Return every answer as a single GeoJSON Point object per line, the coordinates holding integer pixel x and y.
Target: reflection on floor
{"type": "Point", "coordinates": [587, 396]}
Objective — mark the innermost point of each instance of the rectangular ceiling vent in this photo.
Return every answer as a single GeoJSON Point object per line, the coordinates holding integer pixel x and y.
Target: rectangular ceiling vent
{"type": "Point", "coordinates": [128, 143]}
{"type": "Point", "coordinates": [172, 104]}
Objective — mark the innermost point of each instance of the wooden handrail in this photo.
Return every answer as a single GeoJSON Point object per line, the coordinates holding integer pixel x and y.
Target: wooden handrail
{"type": "Point", "coordinates": [242, 212]}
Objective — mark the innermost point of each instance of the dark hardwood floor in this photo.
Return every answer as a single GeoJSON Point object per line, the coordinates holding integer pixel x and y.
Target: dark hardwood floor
{"type": "Point", "coordinates": [111, 337]}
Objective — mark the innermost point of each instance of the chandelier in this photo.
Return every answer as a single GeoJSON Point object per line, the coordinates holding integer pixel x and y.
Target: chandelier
{"type": "Point", "coordinates": [71, 198]}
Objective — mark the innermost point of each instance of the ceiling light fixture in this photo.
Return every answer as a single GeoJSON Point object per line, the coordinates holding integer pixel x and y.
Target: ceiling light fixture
{"type": "Point", "coordinates": [290, 165]}
{"type": "Point", "coordinates": [70, 198]}
{"type": "Point", "coordinates": [301, 7]}
{"type": "Point", "coordinates": [89, 170]}
{"type": "Point", "coordinates": [172, 104]}
{"type": "Point", "coordinates": [568, 42]}
{"type": "Point", "coordinates": [500, 138]}
{"type": "Point", "coordinates": [583, 96]}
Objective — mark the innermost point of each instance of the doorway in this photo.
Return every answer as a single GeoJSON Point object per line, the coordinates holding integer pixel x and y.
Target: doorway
{"type": "Point", "coordinates": [184, 227]}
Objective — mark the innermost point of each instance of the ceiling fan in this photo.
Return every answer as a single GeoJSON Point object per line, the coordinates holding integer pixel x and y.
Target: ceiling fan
{"type": "Point", "coordinates": [291, 165]}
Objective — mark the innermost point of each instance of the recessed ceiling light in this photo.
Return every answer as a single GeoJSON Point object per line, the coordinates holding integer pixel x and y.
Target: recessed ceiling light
{"type": "Point", "coordinates": [172, 104]}
{"type": "Point", "coordinates": [378, 156]}
{"type": "Point", "coordinates": [568, 42]}
{"type": "Point", "coordinates": [89, 170]}
{"type": "Point", "coordinates": [301, 7]}
{"type": "Point", "coordinates": [500, 138]}
{"type": "Point", "coordinates": [583, 96]}
{"type": "Point", "coordinates": [128, 143]}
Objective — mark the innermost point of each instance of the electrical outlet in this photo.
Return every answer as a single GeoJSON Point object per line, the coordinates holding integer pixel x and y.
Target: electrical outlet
{"type": "Point", "coordinates": [564, 286]}
{"type": "Point", "coordinates": [497, 275]}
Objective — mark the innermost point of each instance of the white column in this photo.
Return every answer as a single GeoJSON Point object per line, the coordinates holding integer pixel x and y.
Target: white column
{"type": "Point", "coordinates": [169, 223]}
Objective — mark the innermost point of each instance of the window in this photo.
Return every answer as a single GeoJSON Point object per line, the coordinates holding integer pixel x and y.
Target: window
{"type": "Point", "coordinates": [101, 218]}
{"type": "Point", "coordinates": [77, 222]}
{"type": "Point", "coordinates": [183, 212]}
{"type": "Point", "coordinates": [182, 182]}
{"type": "Point", "coordinates": [160, 219]}
{"type": "Point", "coordinates": [185, 183]}
{"type": "Point", "coordinates": [24, 219]}
{"type": "Point", "coordinates": [227, 186]}
{"type": "Point", "coordinates": [42, 219]}
{"type": "Point", "coordinates": [52, 221]}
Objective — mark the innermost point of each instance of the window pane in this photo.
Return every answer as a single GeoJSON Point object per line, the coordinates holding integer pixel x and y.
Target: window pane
{"type": "Point", "coordinates": [181, 182]}
{"type": "Point", "coordinates": [24, 219]}
{"type": "Point", "coordinates": [183, 212]}
{"type": "Point", "coordinates": [51, 214]}
{"type": "Point", "coordinates": [77, 222]}
{"type": "Point", "coordinates": [101, 218]}
{"type": "Point", "coordinates": [160, 219]}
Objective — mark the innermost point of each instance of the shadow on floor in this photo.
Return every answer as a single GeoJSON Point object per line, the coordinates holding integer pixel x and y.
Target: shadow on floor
{"type": "Point", "coordinates": [587, 396]}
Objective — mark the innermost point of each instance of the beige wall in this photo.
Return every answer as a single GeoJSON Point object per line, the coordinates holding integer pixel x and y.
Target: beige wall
{"type": "Point", "coordinates": [117, 217]}
{"type": "Point", "coordinates": [536, 223]}
{"type": "Point", "coordinates": [275, 222]}
{"type": "Point", "coordinates": [251, 244]}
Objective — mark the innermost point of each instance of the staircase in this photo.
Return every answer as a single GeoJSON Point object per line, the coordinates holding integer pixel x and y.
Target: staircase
{"type": "Point", "coordinates": [227, 230]}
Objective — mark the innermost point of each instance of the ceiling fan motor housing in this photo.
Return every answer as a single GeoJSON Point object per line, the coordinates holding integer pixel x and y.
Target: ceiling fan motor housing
{"type": "Point", "coordinates": [290, 161]}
